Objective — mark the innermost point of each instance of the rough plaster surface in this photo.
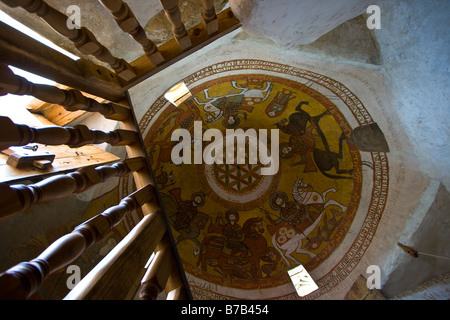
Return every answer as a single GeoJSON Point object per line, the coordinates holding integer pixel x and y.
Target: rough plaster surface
{"type": "Point", "coordinates": [293, 22]}
{"type": "Point", "coordinates": [415, 44]}
{"type": "Point", "coordinates": [430, 237]}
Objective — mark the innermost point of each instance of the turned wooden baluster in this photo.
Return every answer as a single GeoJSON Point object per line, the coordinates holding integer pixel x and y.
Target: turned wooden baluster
{"type": "Point", "coordinates": [82, 38]}
{"type": "Point", "coordinates": [209, 17]}
{"type": "Point", "coordinates": [157, 273]}
{"type": "Point", "coordinates": [12, 134]}
{"type": "Point", "coordinates": [19, 197]}
{"type": "Point", "coordinates": [127, 21]}
{"type": "Point", "coordinates": [21, 281]}
{"type": "Point", "coordinates": [71, 100]}
{"type": "Point", "coordinates": [173, 14]}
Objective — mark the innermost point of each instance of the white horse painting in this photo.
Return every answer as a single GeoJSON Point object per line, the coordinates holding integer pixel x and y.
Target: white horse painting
{"type": "Point", "coordinates": [292, 242]}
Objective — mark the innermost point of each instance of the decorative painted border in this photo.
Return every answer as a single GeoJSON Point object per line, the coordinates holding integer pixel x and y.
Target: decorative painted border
{"type": "Point", "coordinates": [380, 162]}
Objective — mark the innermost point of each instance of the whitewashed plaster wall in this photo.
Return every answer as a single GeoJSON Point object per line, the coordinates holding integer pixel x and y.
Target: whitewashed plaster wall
{"type": "Point", "coordinates": [295, 22]}
{"type": "Point", "coordinates": [415, 44]}
{"type": "Point", "coordinates": [368, 83]}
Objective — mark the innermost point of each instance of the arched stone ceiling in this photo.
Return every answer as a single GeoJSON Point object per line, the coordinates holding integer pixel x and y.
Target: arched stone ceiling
{"type": "Point", "coordinates": [239, 232]}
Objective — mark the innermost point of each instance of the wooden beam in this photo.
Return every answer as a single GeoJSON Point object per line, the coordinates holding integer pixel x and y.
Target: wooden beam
{"type": "Point", "coordinates": [23, 52]}
{"type": "Point", "coordinates": [66, 160]}
{"type": "Point", "coordinates": [118, 275]}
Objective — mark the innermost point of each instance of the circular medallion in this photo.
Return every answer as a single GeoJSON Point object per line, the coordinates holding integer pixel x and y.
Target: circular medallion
{"type": "Point", "coordinates": [251, 228]}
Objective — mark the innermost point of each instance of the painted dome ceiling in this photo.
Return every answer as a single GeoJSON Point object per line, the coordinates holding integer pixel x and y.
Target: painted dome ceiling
{"type": "Point", "coordinates": [239, 231]}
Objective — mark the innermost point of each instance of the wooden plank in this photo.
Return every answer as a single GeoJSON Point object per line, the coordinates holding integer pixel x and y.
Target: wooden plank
{"type": "Point", "coordinates": [57, 114]}
{"type": "Point", "coordinates": [22, 51]}
{"type": "Point", "coordinates": [144, 176]}
{"type": "Point", "coordinates": [120, 272]}
{"type": "Point", "coordinates": [60, 116]}
{"type": "Point", "coordinates": [67, 159]}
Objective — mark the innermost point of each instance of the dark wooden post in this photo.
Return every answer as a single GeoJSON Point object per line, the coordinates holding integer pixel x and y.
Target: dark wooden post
{"type": "Point", "coordinates": [19, 197]}
{"type": "Point", "coordinates": [173, 15]}
{"type": "Point", "coordinates": [12, 134]}
{"type": "Point", "coordinates": [127, 21]}
{"type": "Point", "coordinates": [209, 17]}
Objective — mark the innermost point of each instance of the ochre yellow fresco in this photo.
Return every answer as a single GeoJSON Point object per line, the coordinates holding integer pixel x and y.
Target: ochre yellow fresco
{"type": "Point", "coordinates": [233, 261]}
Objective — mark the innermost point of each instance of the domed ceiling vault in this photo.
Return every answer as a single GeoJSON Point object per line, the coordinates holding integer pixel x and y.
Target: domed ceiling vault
{"type": "Point", "coordinates": [238, 230]}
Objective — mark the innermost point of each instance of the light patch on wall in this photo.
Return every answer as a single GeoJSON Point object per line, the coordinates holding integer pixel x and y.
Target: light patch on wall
{"type": "Point", "coordinates": [302, 281]}
{"type": "Point", "coordinates": [178, 94]}
{"type": "Point", "coordinates": [5, 18]}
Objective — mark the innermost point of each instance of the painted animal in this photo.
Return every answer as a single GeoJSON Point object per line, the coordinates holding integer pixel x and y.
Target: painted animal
{"type": "Point", "coordinates": [230, 107]}
{"type": "Point", "coordinates": [257, 245]}
{"type": "Point", "coordinates": [195, 226]}
{"type": "Point", "coordinates": [292, 242]}
{"type": "Point", "coordinates": [304, 194]}
{"type": "Point", "coordinates": [211, 254]}
{"type": "Point", "coordinates": [325, 160]}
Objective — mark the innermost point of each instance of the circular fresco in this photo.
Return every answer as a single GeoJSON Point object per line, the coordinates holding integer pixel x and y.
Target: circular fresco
{"type": "Point", "coordinates": [236, 227]}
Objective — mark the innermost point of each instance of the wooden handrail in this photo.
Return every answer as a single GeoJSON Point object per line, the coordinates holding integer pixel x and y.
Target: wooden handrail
{"type": "Point", "coordinates": [118, 275]}
{"type": "Point", "coordinates": [176, 277]}
{"type": "Point", "coordinates": [12, 134]}
{"type": "Point", "coordinates": [71, 100]}
{"type": "Point", "coordinates": [127, 21]}
{"type": "Point", "coordinates": [173, 15]}
{"type": "Point", "coordinates": [18, 198]}
{"type": "Point", "coordinates": [22, 280]}
{"type": "Point", "coordinates": [82, 38]}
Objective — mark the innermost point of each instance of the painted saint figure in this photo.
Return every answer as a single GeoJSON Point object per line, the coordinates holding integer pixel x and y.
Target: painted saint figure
{"type": "Point", "coordinates": [231, 231]}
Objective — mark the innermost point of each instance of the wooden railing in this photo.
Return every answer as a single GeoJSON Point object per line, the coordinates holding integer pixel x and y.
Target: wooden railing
{"type": "Point", "coordinates": [71, 100]}
{"type": "Point", "coordinates": [19, 135]}
{"type": "Point", "coordinates": [122, 274]}
{"type": "Point", "coordinates": [18, 198]}
{"type": "Point", "coordinates": [129, 24]}
{"type": "Point", "coordinates": [82, 38]}
{"type": "Point", "coordinates": [24, 279]}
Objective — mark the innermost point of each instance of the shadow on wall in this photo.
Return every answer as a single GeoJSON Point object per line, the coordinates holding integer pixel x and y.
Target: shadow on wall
{"type": "Point", "coordinates": [431, 237]}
